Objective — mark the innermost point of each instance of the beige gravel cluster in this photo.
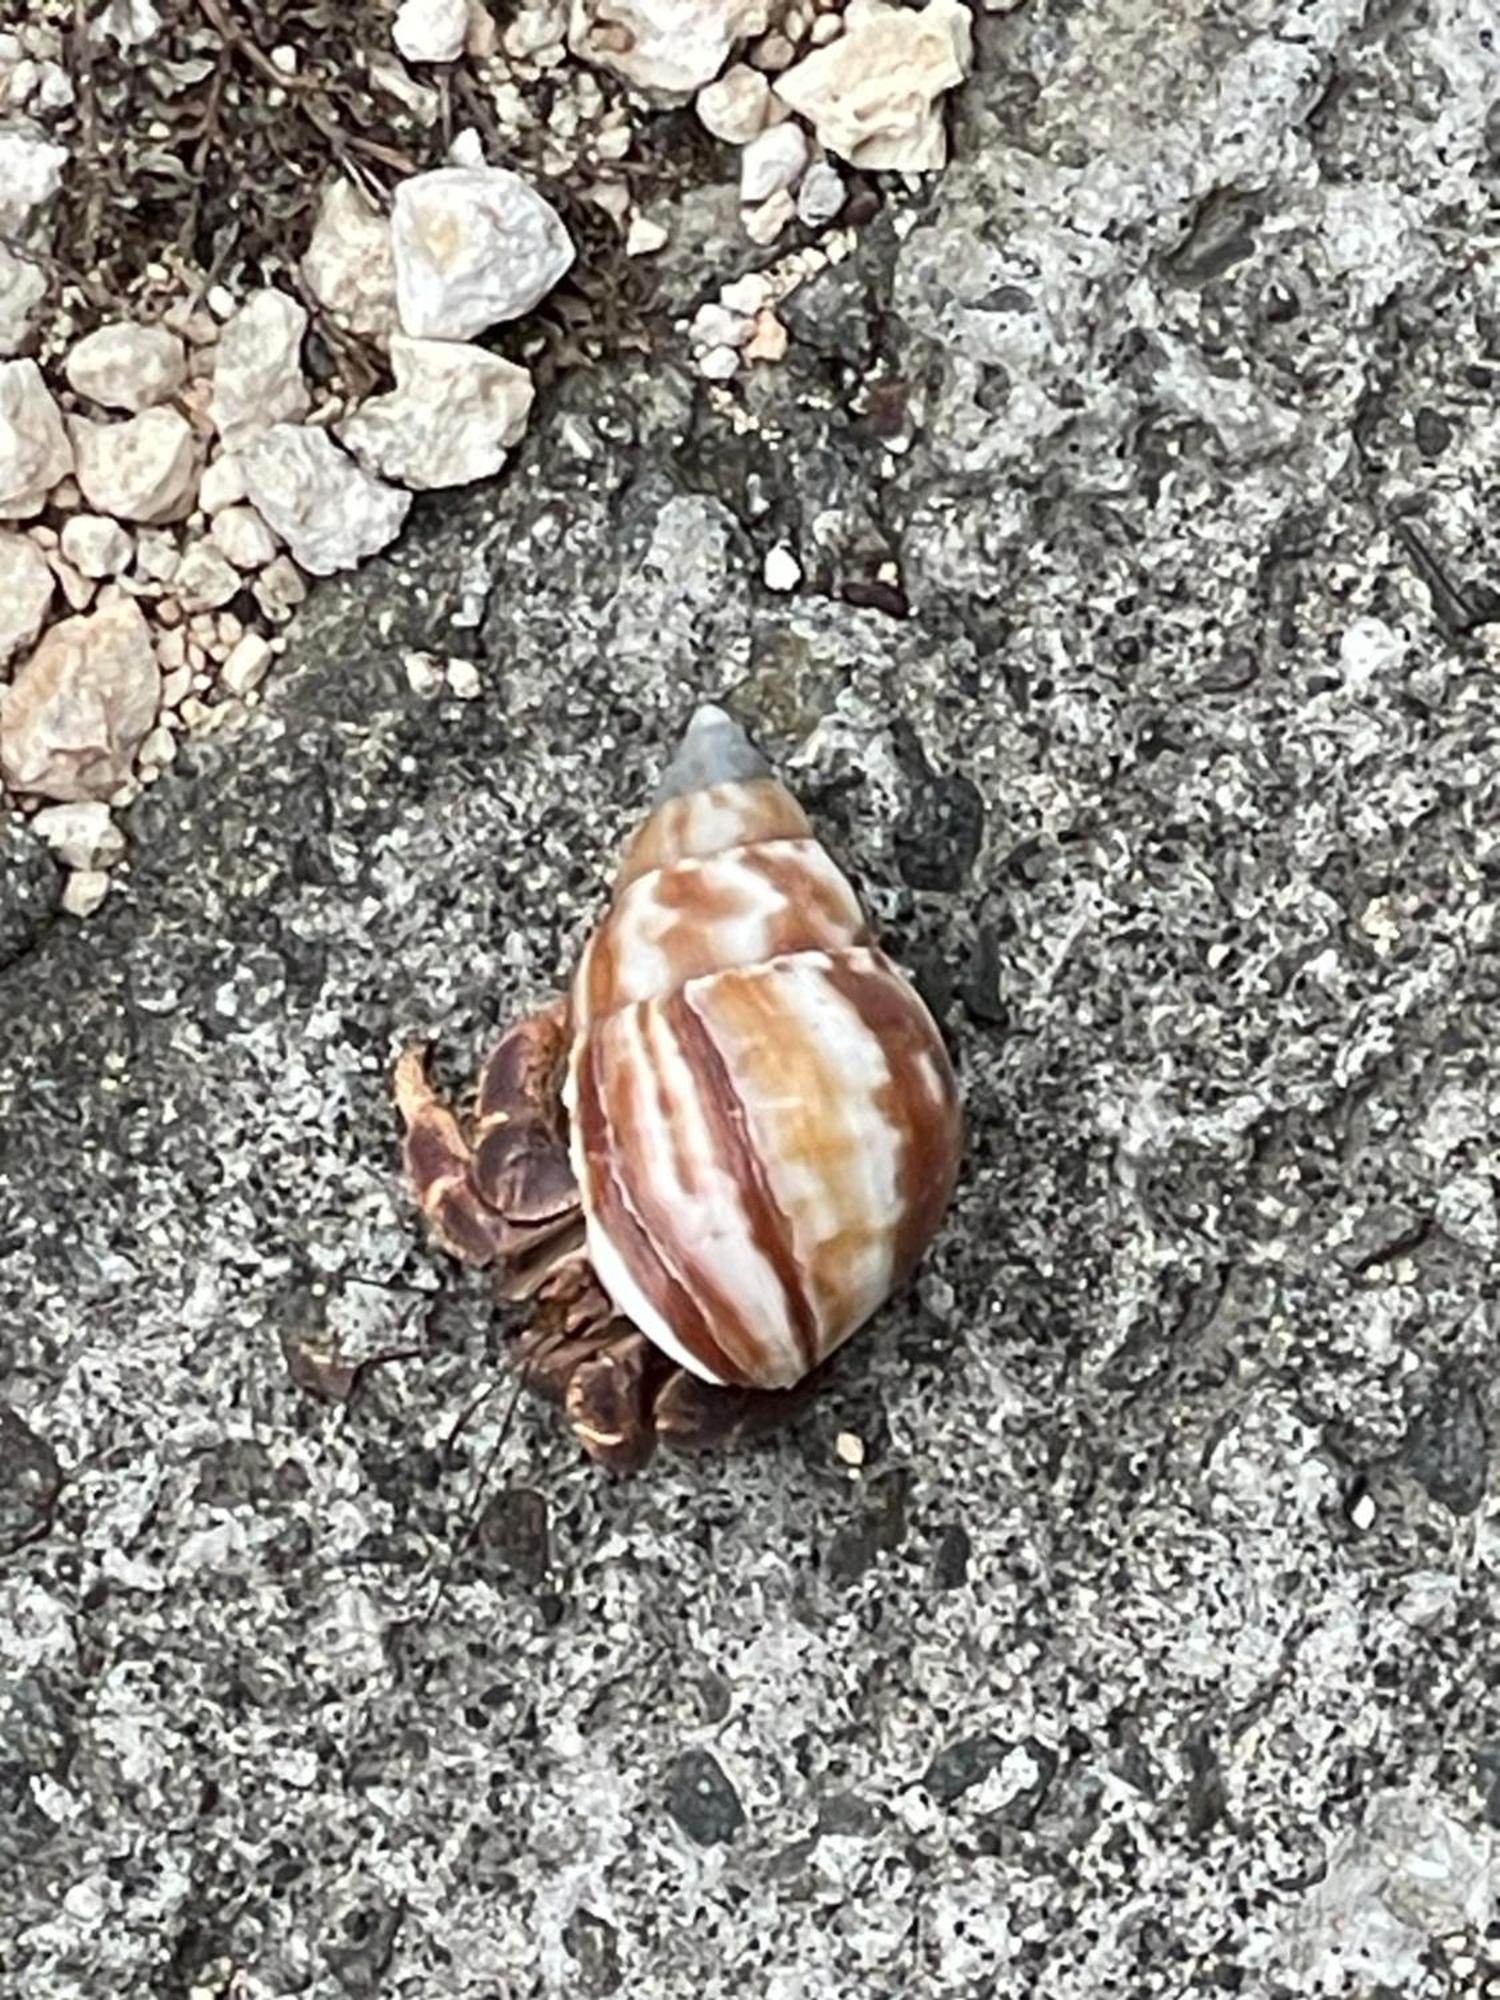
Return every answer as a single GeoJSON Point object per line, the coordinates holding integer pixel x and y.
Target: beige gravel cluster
{"type": "Point", "coordinates": [168, 483]}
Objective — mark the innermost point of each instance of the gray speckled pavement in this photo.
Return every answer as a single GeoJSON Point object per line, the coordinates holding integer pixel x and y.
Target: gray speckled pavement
{"type": "Point", "coordinates": [1151, 1651]}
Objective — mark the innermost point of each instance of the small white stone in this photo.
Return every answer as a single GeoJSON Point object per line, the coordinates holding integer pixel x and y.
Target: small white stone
{"type": "Point", "coordinates": [240, 534]}
{"type": "Point", "coordinates": [737, 107]}
{"type": "Point", "coordinates": [473, 246]}
{"type": "Point", "coordinates": [84, 890]}
{"type": "Point", "coordinates": [31, 170]}
{"type": "Point", "coordinates": [769, 340]}
{"type": "Point", "coordinates": [78, 708]}
{"type": "Point", "coordinates": [247, 665]}
{"type": "Point", "coordinates": [463, 679]}
{"type": "Point", "coordinates": [279, 589]}
{"type": "Point", "coordinates": [781, 570]}
{"type": "Point", "coordinates": [258, 368]}
{"type": "Point", "coordinates": [482, 38]}
{"type": "Point", "coordinates": [222, 484]}
{"type": "Point", "coordinates": [220, 301]}
{"type": "Point", "coordinates": [667, 48]}
{"type": "Point", "coordinates": [715, 325]}
{"type": "Point", "coordinates": [1362, 1513]}
{"type": "Point", "coordinates": [34, 449]}
{"type": "Point", "coordinates": [158, 749]}
{"type": "Point", "coordinates": [644, 236]}
{"type": "Point", "coordinates": [284, 58]}
{"type": "Point", "coordinates": [467, 149]}
{"type": "Point", "coordinates": [142, 469]}
{"type": "Point", "coordinates": [764, 224]}
{"type": "Point", "coordinates": [26, 587]}
{"type": "Point", "coordinates": [125, 366]}
{"type": "Point", "coordinates": [329, 511]}
{"type": "Point", "coordinates": [81, 835]}
{"type": "Point", "coordinates": [348, 267]}
{"type": "Point", "coordinates": [23, 286]}
{"type": "Point", "coordinates": [157, 555]}
{"type": "Point", "coordinates": [772, 52]}
{"type": "Point", "coordinates": [77, 589]}
{"type": "Point", "coordinates": [96, 545]}
{"type": "Point", "coordinates": [176, 686]}
{"type": "Point", "coordinates": [719, 364]}
{"type": "Point", "coordinates": [205, 578]}
{"type": "Point", "coordinates": [424, 673]}
{"type": "Point", "coordinates": [874, 96]}
{"type": "Point", "coordinates": [822, 193]}
{"type": "Point", "coordinates": [747, 294]}
{"type": "Point", "coordinates": [849, 1449]}
{"type": "Point", "coordinates": [431, 31]}
{"type": "Point", "coordinates": [450, 419]}
{"type": "Point", "coordinates": [773, 161]}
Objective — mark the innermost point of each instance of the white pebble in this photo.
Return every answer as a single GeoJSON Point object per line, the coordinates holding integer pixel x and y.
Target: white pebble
{"type": "Point", "coordinates": [431, 31]}
{"type": "Point", "coordinates": [719, 364]}
{"type": "Point", "coordinates": [781, 569]}
{"type": "Point", "coordinates": [84, 890]}
{"type": "Point", "coordinates": [772, 161]}
{"type": "Point", "coordinates": [644, 236]}
{"type": "Point", "coordinates": [222, 484]}
{"type": "Point", "coordinates": [247, 665]}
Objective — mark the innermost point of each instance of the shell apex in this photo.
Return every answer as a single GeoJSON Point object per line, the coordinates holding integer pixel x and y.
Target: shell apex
{"type": "Point", "coordinates": [715, 750]}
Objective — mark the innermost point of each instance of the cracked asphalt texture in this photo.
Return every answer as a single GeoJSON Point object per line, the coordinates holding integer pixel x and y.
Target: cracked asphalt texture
{"type": "Point", "coordinates": [1144, 675]}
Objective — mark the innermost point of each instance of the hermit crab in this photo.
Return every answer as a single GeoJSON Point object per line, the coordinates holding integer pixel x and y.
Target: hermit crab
{"type": "Point", "coordinates": [723, 1150]}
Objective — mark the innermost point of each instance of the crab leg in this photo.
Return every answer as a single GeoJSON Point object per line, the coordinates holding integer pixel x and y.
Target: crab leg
{"type": "Point", "coordinates": [507, 1196]}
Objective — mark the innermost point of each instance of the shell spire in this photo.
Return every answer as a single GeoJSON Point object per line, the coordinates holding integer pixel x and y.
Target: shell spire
{"type": "Point", "coordinates": [714, 751]}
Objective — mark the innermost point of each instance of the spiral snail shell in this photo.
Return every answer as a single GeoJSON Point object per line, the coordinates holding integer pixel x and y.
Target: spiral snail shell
{"type": "Point", "coordinates": [764, 1120]}
{"type": "Point", "coordinates": [758, 1129]}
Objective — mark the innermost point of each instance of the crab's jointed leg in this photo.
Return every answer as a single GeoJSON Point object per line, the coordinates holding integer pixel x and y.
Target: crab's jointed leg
{"type": "Point", "coordinates": [507, 1197]}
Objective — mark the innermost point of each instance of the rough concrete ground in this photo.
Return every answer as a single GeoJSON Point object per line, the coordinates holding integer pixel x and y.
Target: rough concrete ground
{"type": "Point", "coordinates": [1148, 1653]}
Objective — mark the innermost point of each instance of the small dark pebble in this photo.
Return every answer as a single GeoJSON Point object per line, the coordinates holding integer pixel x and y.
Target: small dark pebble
{"type": "Point", "coordinates": [846, 1813]}
{"type": "Point", "coordinates": [701, 1799]}
{"type": "Point", "coordinates": [317, 1367]}
{"type": "Point", "coordinates": [1487, 1774]}
{"type": "Point", "coordinates": [873, 593]}
{"type": "Point", "coordinates": [981, 987]}
{"type": "Point", "coordinates": [961, 1765]}
{"type": "Point", "coordinates": [1234, 669]}
{"type": "Point", "coordinates": [1447, 1445]}
{"type": "Point", "coordinates": [515, 1529]}
{"type": "Point", "coordinates": [29, 1481]}
{"type": "Point", "coordinates": [594, 1948]}
{"type": "Point", "coordinates": [950, 1563]}
{"type": "Point", "coordinates": [938, 842]}
{"type": "Point", "coordinates": [881, 1527]}
{"type": "Point", "coordinates": [1434, 432]}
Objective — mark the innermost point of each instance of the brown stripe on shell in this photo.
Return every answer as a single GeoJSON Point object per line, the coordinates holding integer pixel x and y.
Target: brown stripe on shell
{"type": "Point", "coordinates": [734, 1146]}
{"type": "Point", "coordinates": [809, 909]}
{"type": "Point", "coordinates": [748, 1009]}
{"type": "Point", "coordinates": [895, 1015]}
{"type": "Point", "coordinates": [675, 830]}
{"type": "Point", "coordinates": [606, 1138]}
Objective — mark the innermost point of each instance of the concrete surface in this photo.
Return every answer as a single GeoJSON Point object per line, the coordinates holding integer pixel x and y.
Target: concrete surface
{"type": "Point", "coordinates": [1147, 1654]}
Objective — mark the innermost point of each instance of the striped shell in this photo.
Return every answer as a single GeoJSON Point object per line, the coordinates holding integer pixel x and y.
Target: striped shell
{"type": "Point", "coordinates": [764, 1120]}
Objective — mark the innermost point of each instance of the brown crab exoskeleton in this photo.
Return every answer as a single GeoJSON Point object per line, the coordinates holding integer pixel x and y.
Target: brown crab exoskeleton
{"type": "Point", "coordinates": [499, 1193]}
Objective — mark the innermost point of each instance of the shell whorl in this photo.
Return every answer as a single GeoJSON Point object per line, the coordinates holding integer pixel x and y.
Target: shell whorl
{"type": "Point", "coordinates": [764, 1120]}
